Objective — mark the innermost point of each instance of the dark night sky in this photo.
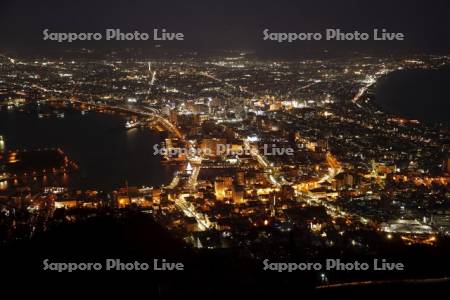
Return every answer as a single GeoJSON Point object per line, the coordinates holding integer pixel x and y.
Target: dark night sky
{"type": "Point", "coordinates": [230, 24]}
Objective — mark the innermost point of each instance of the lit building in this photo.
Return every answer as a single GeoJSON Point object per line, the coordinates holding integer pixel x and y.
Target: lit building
{"type": "Point", "coordinates": [213, 147]}
{"type": "Point", "coordinates": [2, 144]}
{"type": "Point", "coordinates": [446, 165]}
{"type": "Point", "coordinates": [238, 194]}
{"type": "Point", "coordinates": [173, 117]}
{"type": "Point", "coordinates": [156, 196]}
{"type": "Point", "coordinates": [221, 187]}
{"type": "Point", "coordinates": [240, 177]}
{"type": "Point", "coordinates": [343, 180]}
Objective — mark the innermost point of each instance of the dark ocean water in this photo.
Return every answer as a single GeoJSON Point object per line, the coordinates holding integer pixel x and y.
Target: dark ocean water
{"type": "Point", "coordinates": [417, 94]}
{"type": "Point", "coordinates": [107, 154]}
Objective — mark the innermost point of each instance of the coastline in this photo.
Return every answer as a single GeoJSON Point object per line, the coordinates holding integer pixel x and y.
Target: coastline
{"type": "Point", "coordinates": [416, 94]}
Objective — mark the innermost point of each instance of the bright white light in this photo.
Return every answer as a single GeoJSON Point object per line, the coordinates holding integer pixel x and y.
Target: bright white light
{"type": "Point", "coordinates": [253, 138]}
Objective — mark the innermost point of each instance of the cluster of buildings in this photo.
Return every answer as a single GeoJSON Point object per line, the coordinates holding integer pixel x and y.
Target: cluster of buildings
{"type": "Point", "coordinates": [350, 167]}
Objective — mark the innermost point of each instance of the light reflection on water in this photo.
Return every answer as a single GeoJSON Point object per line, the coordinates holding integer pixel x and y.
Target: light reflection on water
{"type": "Point", "coordinates": [107, 154]}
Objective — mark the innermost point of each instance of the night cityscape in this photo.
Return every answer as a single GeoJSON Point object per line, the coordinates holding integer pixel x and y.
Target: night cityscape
{"type": "Point", "coordinates": [215, 170]}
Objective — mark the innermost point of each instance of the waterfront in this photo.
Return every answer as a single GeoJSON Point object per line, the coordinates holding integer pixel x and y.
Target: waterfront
{"type": "Point", "coordinates": [107, 154]}
{"type": "Point", "coordinates": [360, 184]}
{"type": "Point", "coordinates": [418, 94]}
